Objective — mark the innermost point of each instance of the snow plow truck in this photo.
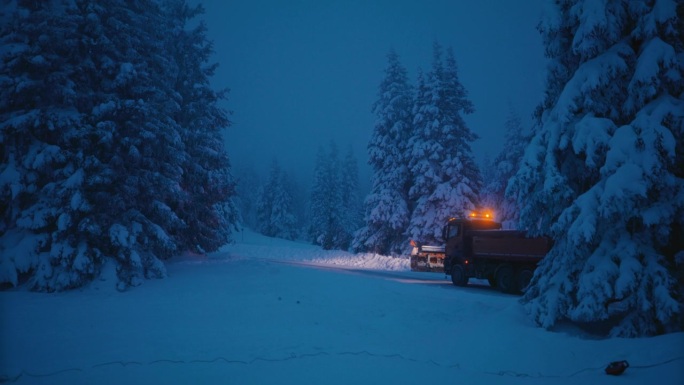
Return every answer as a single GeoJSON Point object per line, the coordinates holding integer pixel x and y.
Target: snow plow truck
{"type": "Point", "coordinates": [475, 246]}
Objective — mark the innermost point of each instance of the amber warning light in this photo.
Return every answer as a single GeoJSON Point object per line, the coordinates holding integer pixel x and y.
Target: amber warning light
{"type": "Point", "coordinates": [486, 214]}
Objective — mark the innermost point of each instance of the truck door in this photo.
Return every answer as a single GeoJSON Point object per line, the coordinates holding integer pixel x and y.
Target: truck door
{"type": "Point", "coordinates": [453, 242]}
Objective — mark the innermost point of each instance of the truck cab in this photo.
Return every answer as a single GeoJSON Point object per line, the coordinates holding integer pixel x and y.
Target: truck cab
{"type": "Point", "coordinates": [456, 240]}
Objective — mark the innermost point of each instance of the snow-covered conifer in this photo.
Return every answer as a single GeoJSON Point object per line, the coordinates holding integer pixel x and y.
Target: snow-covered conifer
{"type": "Point", "coordinates": [274, 206]}
{"type": "Point", "coordinates": [42, 166]}
{"type": "Point", "coordinates": [505, 165]}
{"type": "Point", "coordinates": [207, 184]}
{"type": "Point", "coordinates": [95, 155]}
{"type": "Point", "coordinates": [602, 174]}
{"type": "Point", "coordinates": [488, 198]}
{"type": "Point", "coordinates": [246, 184]}
{"type": "Point", "coordinates": [350, 210]}
{"type": "Point", "coordinates": [264, 201]}
{"type": "Point", "coordinates": [137, 145]}
{"type": "Point", "coordinates": [325, 204]}
{"type": "Point", "coordinates": [282, 216]}
{"type": "Point", "coordinates": [387, 210]}
{"type": "Point", "coordinates": [446, 180]}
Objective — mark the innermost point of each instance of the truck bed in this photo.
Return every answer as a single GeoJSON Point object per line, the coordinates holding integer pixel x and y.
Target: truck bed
{"type": "Point", "coordinates": [509, 244]}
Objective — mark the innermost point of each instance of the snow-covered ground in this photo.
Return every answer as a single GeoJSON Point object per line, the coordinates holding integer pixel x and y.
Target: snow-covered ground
{"type": "Point", "coordinates": [268, 311]}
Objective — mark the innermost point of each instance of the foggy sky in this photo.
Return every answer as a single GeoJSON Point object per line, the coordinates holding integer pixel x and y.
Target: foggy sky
{"type": "Point", "coordinates": [303, 72]}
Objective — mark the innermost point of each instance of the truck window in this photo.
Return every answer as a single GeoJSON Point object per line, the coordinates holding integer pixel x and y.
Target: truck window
{"type": "Point", "coordinates": [453, 231]}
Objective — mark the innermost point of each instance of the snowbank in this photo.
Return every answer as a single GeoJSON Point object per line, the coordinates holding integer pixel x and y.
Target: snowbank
{"type": "Point", "coordinates": [249, 244]}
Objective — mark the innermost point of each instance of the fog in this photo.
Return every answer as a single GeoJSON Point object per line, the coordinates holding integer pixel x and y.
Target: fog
{"type": "Point", "coordinates": [302, 73]}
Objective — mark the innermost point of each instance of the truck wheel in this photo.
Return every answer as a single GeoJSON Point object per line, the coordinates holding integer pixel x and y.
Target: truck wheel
{"type": "Point", "coordinates": [524, 278]}
{"type": "Point", "coordinates": [504, 279]}
{"type": "Point", "coordinates": [458, 276]}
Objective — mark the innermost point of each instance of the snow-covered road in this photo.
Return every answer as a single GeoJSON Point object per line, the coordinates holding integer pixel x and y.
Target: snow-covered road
{"type": "Point", "coordinates": [240, 317]}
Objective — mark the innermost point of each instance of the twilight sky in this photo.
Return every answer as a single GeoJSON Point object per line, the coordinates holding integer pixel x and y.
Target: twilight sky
{"type": "Point", "coordinates": [303, 72]}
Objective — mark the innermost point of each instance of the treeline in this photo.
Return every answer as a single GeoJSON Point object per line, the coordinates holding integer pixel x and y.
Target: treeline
{"type": "Point", "coordinates": [420, 153]}
{"type": "Point", "coordinates": [423, 172]}
{"type": "Point", "coordinates": [327, 213]}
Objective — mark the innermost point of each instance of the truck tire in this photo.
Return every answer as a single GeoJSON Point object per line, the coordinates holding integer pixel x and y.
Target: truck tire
{"type": "Point", "coordinates": [524, 277]}
{"type": "Point", "coordinates": [458, 275]}
{"type": "Point", "coordinates": [505, 279]}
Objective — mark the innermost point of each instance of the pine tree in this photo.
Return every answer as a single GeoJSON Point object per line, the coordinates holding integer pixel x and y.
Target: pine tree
{"type": "Point", "coordinates": [350, 210]}
{"type": "Point", "coordinates": [387, 210]}
{"type": "Point", "coordinates": [206, 207]}
{"type": "Point", "coordinates": [325, 205]}
{"type": "Point", "coordinates": [505, 165]}
{"type": "Point", "coordinates": [282, 216]}
{"type": "Point", "coordinates": [300, 204]}
{"type": "Point", "coordinates": [42, 177]}
{"type": "Point", "coordinates": [264, 202]}
{"type": "Point", "coordinates": [603, 173]}
{"type": "Point", "coordinates": [94, 145]}
{"type": "Point", "coordinates": [247, 182]}
{"type": "Point", "coordinates": [488, 196]}
{"type": "Point", "coordinates": [446, 178]}
{"type": "Point", "coordinates": [274, 206]}
{"type": "Point", "coordinates": [138, 151]}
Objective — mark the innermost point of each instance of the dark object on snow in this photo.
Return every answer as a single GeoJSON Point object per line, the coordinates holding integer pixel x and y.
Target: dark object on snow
{"type": "Point", "coordinates": [617, 368]}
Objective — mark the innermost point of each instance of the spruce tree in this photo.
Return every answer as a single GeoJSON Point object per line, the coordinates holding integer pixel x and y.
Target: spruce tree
{"type": "Point", "coordinates": [206, 206]}
{"type": "Point", "coordinates": [603, 173]}
{"type": "Point", "coordinates": [446, 179]}
{"type": "Point", "coordinates": [95, 147]}
{"type": "Point", "coordinates": [42, 165]}
{"type": "Point", "coordinates": [325, 204]}
{"type": "Point", "coordinates": [246, 184]}
{"type": "Point", "coordinates": [264, 202]}
{"type": "Point", "coordinates": [274, 206]}
{"type": "Point", "coordinates": [138, 148]}
{"type": "Point", "coordinates": [488, 196]}
{"type": "Point", "coordinates": [282, 216]}
{"type": "Point", "coordinates": [505, 165]}
{"type": "Point", "coordinates": [350, 210]}
{"type": "Point", "coordinates": [387, 209]}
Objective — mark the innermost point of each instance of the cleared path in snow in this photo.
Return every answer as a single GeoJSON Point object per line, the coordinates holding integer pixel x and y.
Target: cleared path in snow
{"type": "Point", "coordinates": [237, 318]}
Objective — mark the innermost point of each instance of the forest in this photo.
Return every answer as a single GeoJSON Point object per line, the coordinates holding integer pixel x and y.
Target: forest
{"type": "Point", "coordinates": [112, 153]}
